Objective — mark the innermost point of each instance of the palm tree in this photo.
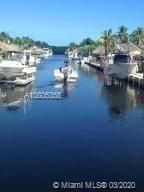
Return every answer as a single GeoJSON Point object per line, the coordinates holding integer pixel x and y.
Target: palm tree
{"type": "Point", "coordinates": [107, 40]}
{"type": "Point", "coordinates": [88, 49]}
{"type": "Point", "coordinates": [87, 41]}
{"type": "Point", "coordinates": [122, 34]}
{"type": "Point", "coordinates": [72, 46]}
{"type": "Point", "coordinates": [138, 36]}
{"type": "Point", "coordinates": [5, 37]}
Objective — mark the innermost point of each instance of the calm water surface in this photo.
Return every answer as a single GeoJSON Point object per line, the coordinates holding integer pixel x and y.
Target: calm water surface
{"type": "Point", "coordinates": [95, 133]}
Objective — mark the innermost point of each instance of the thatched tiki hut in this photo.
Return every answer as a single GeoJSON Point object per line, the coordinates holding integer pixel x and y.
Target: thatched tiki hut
{"type": "Point", "coordinates": [9, 49]}
{"type": "Point", "coordinates": [99, 53]}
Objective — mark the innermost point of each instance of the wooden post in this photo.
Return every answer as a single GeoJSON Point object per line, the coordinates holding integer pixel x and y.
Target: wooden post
{"type": "Point", "coordinates": [139, 83]}
{"type": "Point", "coordinates": [133, 81]}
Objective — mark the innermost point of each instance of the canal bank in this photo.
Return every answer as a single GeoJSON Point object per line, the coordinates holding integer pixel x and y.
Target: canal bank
{"type": "Point", "coordinates": [135, 79]}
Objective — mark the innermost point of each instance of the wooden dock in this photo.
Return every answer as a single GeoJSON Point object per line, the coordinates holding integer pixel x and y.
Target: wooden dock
{"type": "Point", "coordinates": [95, 65]}
{"type": "Point", "coordinates": [136, 79]}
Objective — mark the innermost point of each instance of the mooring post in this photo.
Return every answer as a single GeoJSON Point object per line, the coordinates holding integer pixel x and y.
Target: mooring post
{"type": "Point", "coordinates": [128, 79]}
{"type": "Point", "coordinates": [133, 81]}
{"type": "Point", "coordinates": [139, 83]}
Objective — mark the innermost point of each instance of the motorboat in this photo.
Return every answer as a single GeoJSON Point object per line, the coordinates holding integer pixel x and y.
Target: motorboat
{"type": "Point", "coordinates": [120, 65]}
{"type": "Point", "coordinates": [66, 73]}
{"type": "Point", "coordinates": [9, 70]}
{"type": "Point", "coordinates": [24, 80]}
{"type": "Point", "coordinates": [28, 58]}
{"type": "Point", "coordinates": [46, 52]}
{"type": "Point", "coordinates": [27, 77]}
{"type": "Point", "coordinates": [37, 58]}
{"type": "Point", "coordinates": [12, 68]}
{"type": "Point", "coordinates": [73, 54]}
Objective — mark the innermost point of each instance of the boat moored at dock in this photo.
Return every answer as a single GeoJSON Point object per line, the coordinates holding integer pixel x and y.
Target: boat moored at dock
{"type": "Point", "coordinates": [13, 71]}
{"type": "Point", "coordinates": [120, 65]}
{"type": "Point", "coordinates": [28, 58]}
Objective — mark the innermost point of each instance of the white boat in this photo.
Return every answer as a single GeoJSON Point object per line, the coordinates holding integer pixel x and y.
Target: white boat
{"type": "Point", "coordinates": [28, 58]}
{"type": "Point", "coordinates": [65, 74]}
{"type": "Point", "coordinates": [73, 54]}
{"type": "Point", "coordinates": [38, 60]}
{"type": "Point", "coordinates": [46, 53]}
{"type": "Point", "coordinates": [120, 65]}
{"type": "Point", "coordinates": [9, 70]}
{"type": "Point", "coordinates": [24, 80]}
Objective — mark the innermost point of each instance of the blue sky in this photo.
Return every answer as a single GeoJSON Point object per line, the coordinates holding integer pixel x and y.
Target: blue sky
{"type": "Point", "coordinates": [60, 22]}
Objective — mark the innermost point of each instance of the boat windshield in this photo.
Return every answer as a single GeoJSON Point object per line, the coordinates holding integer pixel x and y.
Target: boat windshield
{"type": "Point", "coordinates": [12, 56]}
{"type": "Point", "coordinates": [122, 59]}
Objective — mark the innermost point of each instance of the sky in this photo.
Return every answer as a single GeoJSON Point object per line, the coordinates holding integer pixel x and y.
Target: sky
{"type": "Point", "coordinates": [60, 22]}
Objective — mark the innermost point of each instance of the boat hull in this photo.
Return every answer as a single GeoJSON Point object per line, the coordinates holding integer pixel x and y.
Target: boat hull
{"type": "Point", "coordinates": [120, 70]}
{"type": "Point", "coordinates": [70, 77]}
{"type": "Point", "coordinates": [10, 72]}
{"type": "Point", "coordinates": [26, 81]}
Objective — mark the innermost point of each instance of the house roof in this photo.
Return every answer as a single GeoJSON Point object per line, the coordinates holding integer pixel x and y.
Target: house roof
{"type": "Point", "coordinates": [131, 47]}
{"type": "Point", "coordinates": [99, 50]}
{"type": "Point", "coordinates": [124, 48]}
{"type": "Point", "coordinates": [9, 47]}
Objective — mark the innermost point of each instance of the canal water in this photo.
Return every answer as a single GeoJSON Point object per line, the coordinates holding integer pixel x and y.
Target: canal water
{"type": "Point", "coordinates": [95, 133]}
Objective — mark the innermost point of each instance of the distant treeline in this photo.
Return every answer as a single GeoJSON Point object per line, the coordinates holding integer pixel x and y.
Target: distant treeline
{"type": "Point", "coordinates": [28, 42]}
{"type": "Point", "coordinates": [25, 42]}
{"type": "Point", "coordinates": [59, 50]}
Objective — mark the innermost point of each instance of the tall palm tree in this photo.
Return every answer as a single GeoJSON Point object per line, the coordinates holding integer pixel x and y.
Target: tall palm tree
{"type": "Point", "coordinates": [107, 40]}
{"type": "Point", "coordinates": [122, 34]}
{"type": "Point", "coordinates": [138, 36]}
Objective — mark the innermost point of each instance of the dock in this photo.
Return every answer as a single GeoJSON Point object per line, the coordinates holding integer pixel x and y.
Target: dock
{"type": "Point", "coordinates": [95, 65]}
{"type": "Point", "coordinates": [136, 79]}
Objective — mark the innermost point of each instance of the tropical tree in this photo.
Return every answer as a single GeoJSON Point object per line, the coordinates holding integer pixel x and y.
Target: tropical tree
{"type": "Point", "coordinates": [72, 46]}
{"type": "Point", "coordinates": [138, 36]}
{"type": "Point", "coordinates": [5, 37]}
{"type": "Point", "coordinates": [122, 34]}
{"type": "Point", "coordinates": [38, 43]}
{"type": "Point", "coordinates": [17, 40]}
{"type": "Point", "coordinates": [87, 41]}
{"type": "Point", "coordinates": [87, 50]}
{"type": "Point", "coordinates": [107, 40]}
{"type": "Point", "coordinates": [44, 44]}
{"type": "Point", "coordinates": [26, 42]}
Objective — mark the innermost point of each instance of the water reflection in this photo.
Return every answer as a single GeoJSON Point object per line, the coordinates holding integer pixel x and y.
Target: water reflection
{"type": "Point", "coordinates": [11, 97]}
{"type": "Point", "coordinates": [91, 72]}
{"type": "Point", "coordinates": [122, 98]}
{"type": "Point", "coordinates": [65, 87]}
{"type": "Point", "coordinates": [86, 69]}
